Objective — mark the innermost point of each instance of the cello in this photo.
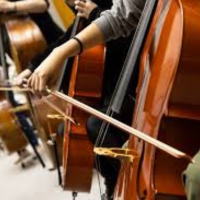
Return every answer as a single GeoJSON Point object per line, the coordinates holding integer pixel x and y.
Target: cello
{"type": "Point", "coordinates": [20, 50]}
{"type": "Point", "coordinates": [11, 134]}
{"type": "Point", "coordinates": [24, 35]}
{"type": "Point", "coordinates": [16, 26]}
{"type": "Point", "coordinates": [164, 108]}
{"type": "Point", "coordinates": [86, 85]}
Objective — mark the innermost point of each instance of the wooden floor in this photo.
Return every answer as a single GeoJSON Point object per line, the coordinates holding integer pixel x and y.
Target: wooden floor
{"type": "Point", "coordinates": [35, 183]}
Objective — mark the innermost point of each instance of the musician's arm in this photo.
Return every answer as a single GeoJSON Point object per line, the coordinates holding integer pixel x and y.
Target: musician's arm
{"type": "Point", "coordinates": [24, 6]}
{"type": "Point", "coordinates": [119, 21]}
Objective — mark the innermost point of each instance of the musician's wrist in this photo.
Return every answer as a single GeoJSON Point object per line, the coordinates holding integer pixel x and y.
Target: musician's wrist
{"type": "Point", "coordinates": [71, 48]}
{"type": "Point", "coordinates": [58, 54]}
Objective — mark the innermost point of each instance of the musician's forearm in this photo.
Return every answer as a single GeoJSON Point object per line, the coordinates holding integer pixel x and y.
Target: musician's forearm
{"type": "Point", "coordinates": [90, 37]}
{"type": "Point", "coordinates": [30, 6]}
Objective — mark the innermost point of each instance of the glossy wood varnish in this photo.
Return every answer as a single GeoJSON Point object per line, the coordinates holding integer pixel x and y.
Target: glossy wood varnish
{"type": "Point", "coordinates": [86, 86]}
{"type": "Point", "coordinates": [11, 134]}
{"type": "Point", "coordinates": [26, 40]}
{"type": "Point", "coordinates": [167, 101]}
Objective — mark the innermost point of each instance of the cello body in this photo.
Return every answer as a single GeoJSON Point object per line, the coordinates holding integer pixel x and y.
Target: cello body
{"type": "Point", "coordinates": [167, 104]}
{"type": "Point", "coordinates": [48, 126]}
{"type": "Point", "coordinates": [11, 133]}
{"type": "Point", "coordinates": [26, 41]}
{"type": "Point", "coordinates": [85, 85]}
{"type": "Point", "coordinates": [12, 136]}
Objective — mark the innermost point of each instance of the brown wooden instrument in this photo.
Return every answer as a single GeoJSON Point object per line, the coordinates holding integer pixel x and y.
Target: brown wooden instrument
{"type": "Point", "coordinates": [26, 41]}
{"type": "Point", "coordinates": [130, 155]}
{"type": "Point", "coordinates": [11, 133]}
{"type": "Point", "coordinates": [42, 110]}
{"type": "Point", "coordinates": [167, 103]}
{"type": "Point", "coordinates": [85, 85]}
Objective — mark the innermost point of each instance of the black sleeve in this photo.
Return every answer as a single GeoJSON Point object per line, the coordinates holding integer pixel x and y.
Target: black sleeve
{"type": "Point", "coordinates": [95, 14]}
{"type": "Point", "coordinates": [101, 6]}
{"type": "Point", "coordinates": [104, 4]}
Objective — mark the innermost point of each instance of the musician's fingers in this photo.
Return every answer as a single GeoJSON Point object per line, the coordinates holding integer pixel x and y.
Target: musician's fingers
{"type": "Point", "coordinates": [32, 83]}
{"type": "Point", "coordinates": [17, 82]}
{"type": "Point", "coordinates": [29, 82]}
{"type": "Point", "coordinates": [79, 3]}
{"type": "Point", "coordinates": [80, 9]}
{"type": "Point", "coordinates": [36, 84]}
{"type": "Point", "coordinates": [42, 87]}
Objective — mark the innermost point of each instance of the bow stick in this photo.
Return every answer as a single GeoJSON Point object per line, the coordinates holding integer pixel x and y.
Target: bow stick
{"type": "Point", "coordinates": [160, 145]}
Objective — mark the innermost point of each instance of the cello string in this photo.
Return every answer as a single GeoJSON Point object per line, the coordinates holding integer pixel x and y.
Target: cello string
{"type": "Point", "coordinates": [104, 129]}
{"type": "Point", "coordinates": [145, 10]}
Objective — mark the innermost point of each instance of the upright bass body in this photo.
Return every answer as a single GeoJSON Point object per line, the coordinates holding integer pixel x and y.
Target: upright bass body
{"type": "Point", "coordinates": [167, 103]}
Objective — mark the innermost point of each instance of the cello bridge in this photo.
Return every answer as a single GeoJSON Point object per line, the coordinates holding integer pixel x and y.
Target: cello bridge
{"type": "Point", "coordinates": [61, 117]}
{"type": "Point", "coordinates": [118, 153]}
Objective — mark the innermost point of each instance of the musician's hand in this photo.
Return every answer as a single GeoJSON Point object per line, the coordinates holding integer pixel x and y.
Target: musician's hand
{"type": "Point", "coordinates": [46, 74]}
{"type": "Point", "coordinates": [6, 6]}
{"type": "Point", "coordinates": [18, 81]}
{"type": "Point", "coordinates": [84, 8]}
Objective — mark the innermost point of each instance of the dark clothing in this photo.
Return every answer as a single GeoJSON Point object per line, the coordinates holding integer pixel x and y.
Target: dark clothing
{"type": "Point", "coordinates": [26, 127]}
{"type": "Point", "coordinates": [102, 5]}
{"type": "Point", "coordinates": [46, 24]}
{"type": "Point", "coordinates": [39, 58]}
{"type": "Point", "coordinates": [116, 52]}
{"type": "Point", "coordinates": [48, 27]}
{"type": "Point", "coordinates": [108, 167]}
